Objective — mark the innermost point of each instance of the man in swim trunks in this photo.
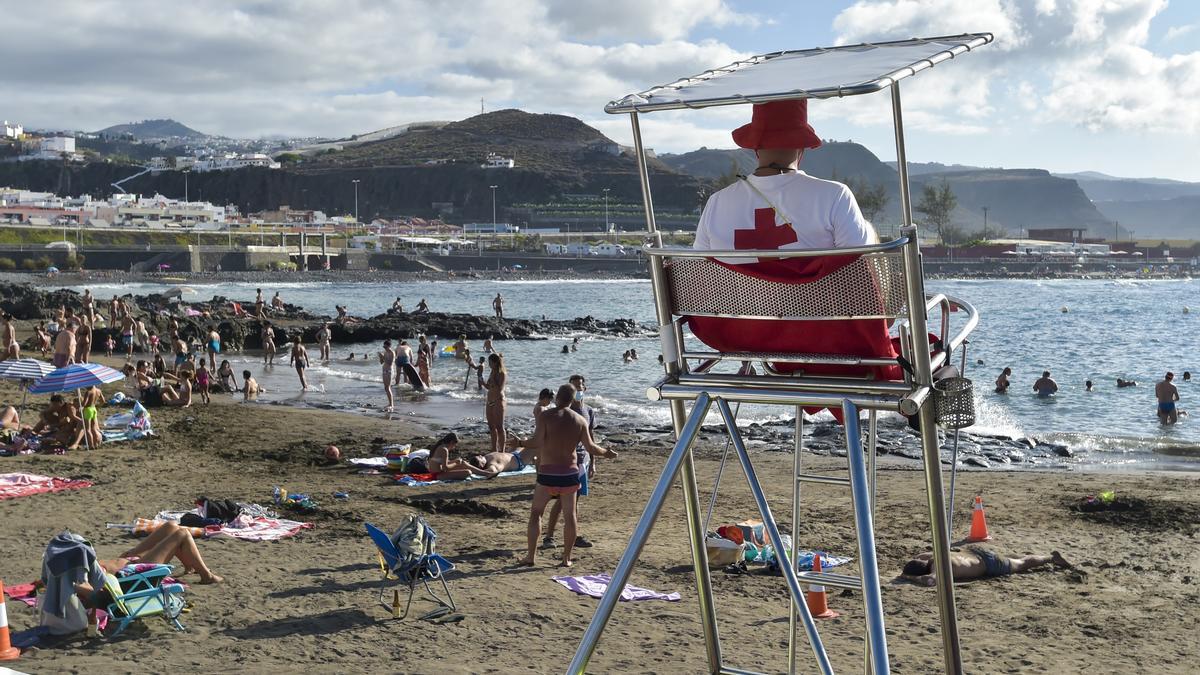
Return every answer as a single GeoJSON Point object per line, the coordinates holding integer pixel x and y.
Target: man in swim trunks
{"type": "Point", "coordinates": [64, 345]}
{"type": "Point", "coordinates": [560, 430]}
{"type": "Point", "coordinates": [499, 462]}
{"type": "Point", "coordinates": [1167, 394]}
{"type": "Point", "coordinates": [1045, 385]}
{"type": "Point", "coordinates": [977, 562]}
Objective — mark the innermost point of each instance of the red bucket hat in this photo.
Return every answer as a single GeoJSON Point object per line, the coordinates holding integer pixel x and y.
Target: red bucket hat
{"type": "Point", "coordinates": [778, 125]}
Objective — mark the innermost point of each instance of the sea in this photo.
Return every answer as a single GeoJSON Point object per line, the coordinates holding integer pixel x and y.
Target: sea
{"type": "Point", "coordinates": [1078, 329]}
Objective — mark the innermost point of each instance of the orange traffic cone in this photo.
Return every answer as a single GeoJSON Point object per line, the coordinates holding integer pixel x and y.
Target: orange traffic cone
{"type": "Point", "coordinates": [7, 651]}
{"type": "Point", "coordinates": [979, 529]}
{"type": "Point", "coordinates": [815, 599]}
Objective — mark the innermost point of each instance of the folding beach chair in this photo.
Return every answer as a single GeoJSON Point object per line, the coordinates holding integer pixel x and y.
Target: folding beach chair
{"type": "Point", "coordinates": [406, 559]}
{"type": "Point", "coordinates": [141, 595]}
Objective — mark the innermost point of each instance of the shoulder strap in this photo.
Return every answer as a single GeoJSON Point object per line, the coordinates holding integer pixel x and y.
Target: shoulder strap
{"type": "Point", "coordinates": [778, 212]}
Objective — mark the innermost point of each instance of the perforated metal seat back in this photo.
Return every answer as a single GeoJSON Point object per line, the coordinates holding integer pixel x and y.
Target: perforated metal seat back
{"type": "Point", "coordinates": [871, 287]}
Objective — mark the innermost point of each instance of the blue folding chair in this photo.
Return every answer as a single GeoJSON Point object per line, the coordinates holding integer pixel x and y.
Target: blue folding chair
{"type": "Point", "coordinates": [142, 595]}
{"type": "Point", "coordinates": [409, 567]}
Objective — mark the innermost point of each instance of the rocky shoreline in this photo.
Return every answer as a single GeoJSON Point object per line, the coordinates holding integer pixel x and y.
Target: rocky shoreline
{"type": "Point", "coordinates": [238, 332]}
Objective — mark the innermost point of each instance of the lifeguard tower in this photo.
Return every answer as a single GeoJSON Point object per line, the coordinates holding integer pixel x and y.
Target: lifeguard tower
{"type": "Point", "coordinates": [875, 282]}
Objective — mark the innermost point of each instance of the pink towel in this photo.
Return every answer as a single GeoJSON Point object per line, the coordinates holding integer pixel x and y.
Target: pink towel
{"type": "Point", "coordinates": [26, 593]}
{"type": "Point", "coordinates": [13, 485]}
{"type": "Point", "coordinates": [595, 585]}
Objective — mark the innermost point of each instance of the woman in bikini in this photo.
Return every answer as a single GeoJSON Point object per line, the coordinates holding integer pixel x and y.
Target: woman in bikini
{"type": "Point", "coordinates": [387, 358]}
{"type": "Point", "coordinates": [496, 403]}
{"type": "Point", "coordinates": [226, 378]}
{"type": "Point", "coordinates": [268, 343]}
{"type": "Point", "coordinates": [299, 360]}
{"type": "Point", "coordinates": [167, 542]}
{"type": "Point", "coordinates": [444, 468]}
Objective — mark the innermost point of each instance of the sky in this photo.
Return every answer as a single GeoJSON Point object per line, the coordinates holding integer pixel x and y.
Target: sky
{"type": "Point", "coordinates": [1068, 85]}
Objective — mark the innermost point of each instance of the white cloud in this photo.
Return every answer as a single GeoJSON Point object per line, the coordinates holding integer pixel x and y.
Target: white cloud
{"type": "Point", "coordinates": [314, 67]}
{"type": "Point", "coordinates": [1079, 62]}
{"type": "Point", "coordinates": [1176, 32]}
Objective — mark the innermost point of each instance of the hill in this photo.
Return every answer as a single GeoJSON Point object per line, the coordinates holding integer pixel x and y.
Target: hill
{"type": "Point", "coordinates": [847, 160]}
{"type": "Point", "coordinates": [1108, 188]}
{"type": "Point", "coordinates": [1175, 218]}
{"type": "Point", "coordinates": [919, 168]}
{"type": "Point", "coordinates": [153, 129]}
{"type": "Point", "coordinates": [538, 142]}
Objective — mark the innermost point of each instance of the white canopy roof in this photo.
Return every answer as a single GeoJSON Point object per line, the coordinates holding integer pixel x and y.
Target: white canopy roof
{"type": "Point", "coordinates": [810, 73]}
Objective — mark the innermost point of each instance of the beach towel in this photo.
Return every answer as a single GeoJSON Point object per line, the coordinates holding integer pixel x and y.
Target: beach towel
{"type": "Point", "coordinates": [595, 585]}
{"type": "Point", "coordinates": [419, 479]}
{"type": "Point", "coordinates": [26, 593]}
{"type": "Point", "coordinates": [369, 461]}
{"type": "Point", "coordinates": [13, 485]}
{"type": "Point", "coordinates": [255, 523]}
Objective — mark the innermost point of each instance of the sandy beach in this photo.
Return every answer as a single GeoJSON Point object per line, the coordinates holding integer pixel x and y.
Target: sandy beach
{"type": "Point", "coordinates": [309, 601]}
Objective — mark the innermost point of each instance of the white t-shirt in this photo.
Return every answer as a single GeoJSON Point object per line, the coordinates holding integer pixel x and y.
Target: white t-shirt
{"type": "Point", "coordinates": [823, 214]}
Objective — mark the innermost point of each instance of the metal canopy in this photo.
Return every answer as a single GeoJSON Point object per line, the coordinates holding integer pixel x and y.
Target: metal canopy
{"type": "Point", "coordinates": [813, 73]}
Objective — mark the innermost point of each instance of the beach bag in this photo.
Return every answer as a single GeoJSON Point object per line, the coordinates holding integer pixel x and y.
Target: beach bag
{"type": "Point", "coordinates": [415, 540]}
{"type": "Point", "coordinates": [75, 621]}
{"type": "Point", "coordinates": [723, 552]}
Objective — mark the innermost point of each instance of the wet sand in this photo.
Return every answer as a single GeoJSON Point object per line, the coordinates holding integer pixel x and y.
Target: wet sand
{"type": "Point", "coordinates": [309, 601]}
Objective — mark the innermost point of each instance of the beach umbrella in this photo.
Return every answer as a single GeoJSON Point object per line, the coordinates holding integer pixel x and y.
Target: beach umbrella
{"type": "Point", "coordinates": [24, 369]}
{"type": "Point", "coordinates": [74, 377]}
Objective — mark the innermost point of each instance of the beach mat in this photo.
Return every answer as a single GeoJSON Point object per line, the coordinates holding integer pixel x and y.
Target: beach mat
{"type": "Point", "coordinates": [14, 485]}
{"type": "Point", "coordinates": [247, 527]}
{"type": "Point", "coordinates": [419, 479]}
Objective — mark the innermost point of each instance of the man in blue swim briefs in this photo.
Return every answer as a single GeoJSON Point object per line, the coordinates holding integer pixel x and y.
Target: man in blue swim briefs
{"type": "Point", "coordinates": [559, 431]}
{"type": "Point", "coordinates": [977, 562]}
{"type": "Point", "coordinates": [1167, 394]}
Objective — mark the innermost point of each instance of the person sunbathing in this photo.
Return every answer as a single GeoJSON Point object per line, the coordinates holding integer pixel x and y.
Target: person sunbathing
{"type": "Point", "coordinates": [977, 562]}
{"type": "Point", "coordinates": [9, 418]}
{"type": "Point", "coordinates": [443, 467]}
{"type": "Point", "coordinates": [500, 462]}
{"type": "Point", "coordinates": [166, 543]}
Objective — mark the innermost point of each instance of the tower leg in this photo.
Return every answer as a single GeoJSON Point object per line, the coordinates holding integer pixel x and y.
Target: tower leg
{"type": "Point", "coordinates": [620, 577]}
{"type": "Point", "coordinates": [784, 558]}
{"type": "Point", "coordinates": [864, 527]}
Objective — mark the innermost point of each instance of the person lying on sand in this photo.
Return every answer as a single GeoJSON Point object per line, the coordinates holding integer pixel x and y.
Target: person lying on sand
{"type": "Point", "coordinates": [9, 418]}
{"type": "Point", "coordinates": [499, 462]}
{"type": "Point", "coordinates": [559, 431]}
{"type": "Point", "coordinates": [166, 543]}
{"type": "Point", "coordinates": [977, 562]}
{"type": "Point", "coordinates": [443, 467]}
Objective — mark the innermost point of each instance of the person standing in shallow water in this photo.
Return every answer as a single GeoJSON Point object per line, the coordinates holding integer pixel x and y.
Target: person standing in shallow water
{"type": "Point", "coordinates": [387, 358]}
{"type": "Point", "coordinates": [497, 404]}
{"type": "Point", "coordinates": [1045, 385]}
{"type": "Point", "coordinates": [1002, 381]}
{"type": "Point", "coordinates": [299, 360]}
{"type": "Point", "coordinates": [1167, 395]}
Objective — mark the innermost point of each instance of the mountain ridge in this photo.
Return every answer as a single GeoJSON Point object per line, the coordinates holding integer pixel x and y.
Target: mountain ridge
{"type": "Point", "coordinates": [153, 129]}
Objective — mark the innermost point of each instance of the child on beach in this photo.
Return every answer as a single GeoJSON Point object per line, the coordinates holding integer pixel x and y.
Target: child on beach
{"type": "Point", "coordinates": [226, 378]}
{"type": "Point", "coordinates": [251, 390]}
{"type": "Point", "coordinates": [202, 381]}
{"type": "Point", "coordinates": [109, 346]}
{"type": "Point", "coordinates": [154, 343]}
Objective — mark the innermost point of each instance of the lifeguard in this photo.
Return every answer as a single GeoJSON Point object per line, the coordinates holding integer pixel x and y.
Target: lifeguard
{"type": "Point", "coordinates": [780, 207]}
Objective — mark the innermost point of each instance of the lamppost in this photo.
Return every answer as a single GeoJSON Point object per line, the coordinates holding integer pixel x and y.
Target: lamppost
{"type": "Point", "coordinates": [606, 223]}
{"type": "Point", "coordinates": [479, 241]}
{"type": "Point", "coordinates": [985, 210]}
{"type": "Point", "coordinates": [185, 185]}
{"type": "Point", "coordinates": [355, 181]}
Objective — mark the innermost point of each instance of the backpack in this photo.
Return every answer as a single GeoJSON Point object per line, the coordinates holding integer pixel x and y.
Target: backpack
{"type": "Point", "coordinates": [415, 540]}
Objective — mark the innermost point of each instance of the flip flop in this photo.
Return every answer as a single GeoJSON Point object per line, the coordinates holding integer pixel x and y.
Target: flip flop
{"type": "Point", "coordinates": [439, 612]}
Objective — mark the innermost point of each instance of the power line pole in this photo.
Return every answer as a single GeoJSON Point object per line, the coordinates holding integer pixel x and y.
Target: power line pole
{"type": "Point", "coordinates": [355, 181]}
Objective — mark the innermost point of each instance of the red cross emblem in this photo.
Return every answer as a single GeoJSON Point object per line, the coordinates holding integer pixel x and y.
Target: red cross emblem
{"type": "Point", "coordinates": [766, 234]}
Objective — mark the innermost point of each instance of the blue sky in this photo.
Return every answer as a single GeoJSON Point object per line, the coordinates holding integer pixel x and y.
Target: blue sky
{"type": "Point", "coordinates": [1068, 85]}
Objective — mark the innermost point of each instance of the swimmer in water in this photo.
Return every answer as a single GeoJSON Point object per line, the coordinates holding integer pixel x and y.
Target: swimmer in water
{"type": "Point", "coordinates": [1002, 381]}
{"type": "Point", "coordinates": [1045, 386]}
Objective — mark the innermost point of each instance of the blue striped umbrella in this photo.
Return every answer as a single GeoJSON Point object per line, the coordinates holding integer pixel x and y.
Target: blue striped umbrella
{"type": "Point", "coordinates": [24, 369]}
{"type": "Point", "coordinates": [75, 376]}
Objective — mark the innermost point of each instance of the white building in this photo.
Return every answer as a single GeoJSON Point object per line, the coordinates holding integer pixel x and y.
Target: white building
{"type": "Point", "coordinates": [12, 130]}
{"type": "Point", "coordinates": [232, 160]}
{"type": "Point", "coordinates": [495, 161]}
{"type": "Point", "coordinates": [57, 145]}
